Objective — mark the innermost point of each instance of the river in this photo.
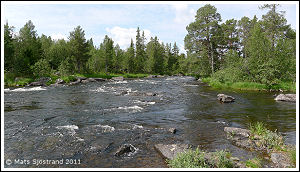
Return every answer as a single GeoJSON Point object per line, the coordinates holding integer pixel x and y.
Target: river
{"type": "Point", "coordinates": [86, 123]}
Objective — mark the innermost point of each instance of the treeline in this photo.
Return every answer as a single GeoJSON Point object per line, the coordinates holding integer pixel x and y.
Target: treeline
{"type": "Point", "coordinates": [245, 50]}
{"type": "Point", "coordinates": [29, 55]}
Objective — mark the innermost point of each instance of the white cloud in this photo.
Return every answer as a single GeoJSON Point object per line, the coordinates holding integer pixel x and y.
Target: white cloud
{"type": "Point", "coordinates": [183, 14]}
{"type": "Point", "coordinates": [123, 36]}
{"type": "Point", "coordinates": [58, 36]}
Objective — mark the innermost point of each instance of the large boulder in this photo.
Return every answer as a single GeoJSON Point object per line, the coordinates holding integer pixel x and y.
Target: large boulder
{"type": "Point", "coordinates": [237, 131]}
{"type": "Point", "coordinates": [40, 82]}
{"type": "Point", "coordinates": [286, 97]}
{"type": "Point", "coordinates": [225, 98]}
{"type": "Point", "coordinates": [170, 151]}
{"type": "Point", "coordinates": [281, 160]}
{"type": "Point", "coordinates": [126, 149]}
{"type": "Point", "coordinates": [75, 82]}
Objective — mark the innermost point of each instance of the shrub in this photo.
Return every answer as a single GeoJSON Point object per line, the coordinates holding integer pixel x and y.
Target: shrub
{"type": "Point", "coordinates": [41, 68]}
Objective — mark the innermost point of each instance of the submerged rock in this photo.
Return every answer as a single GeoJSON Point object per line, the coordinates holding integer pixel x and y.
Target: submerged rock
{"type": "Point", "coordinates": [286, 97]}
{"type": "Point", "coordinates": [170, 151]}
{"type": "Point", "coordinates": [143, 94]}
{"type": "Point", "coordinates": [125, 149]}
{"type": "Point", "coordinates": [173, 130]}
{"type": "Point", "coordinates": [225, 98]}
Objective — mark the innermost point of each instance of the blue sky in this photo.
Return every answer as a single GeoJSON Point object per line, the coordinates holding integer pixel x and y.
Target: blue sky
{"type": "Point", "coordinates": [167, 20]}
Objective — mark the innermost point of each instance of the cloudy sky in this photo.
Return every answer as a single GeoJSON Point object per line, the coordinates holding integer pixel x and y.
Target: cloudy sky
{"type": "Point", "coordinates": [167, 20]}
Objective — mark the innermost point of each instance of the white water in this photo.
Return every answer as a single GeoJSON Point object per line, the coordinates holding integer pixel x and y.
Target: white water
{"type": "Point", "coordinates": [70, 128]}
{"type": "Point", "coordinates": [26, 89]}
{"type": "Point", "coordinates": [143, 103]}
{"type": "Point", "coordinates": [106, 128]}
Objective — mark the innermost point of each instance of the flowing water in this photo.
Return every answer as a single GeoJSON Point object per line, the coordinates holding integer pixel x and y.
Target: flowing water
{"type": "Point", "coordinates": [85, 124]}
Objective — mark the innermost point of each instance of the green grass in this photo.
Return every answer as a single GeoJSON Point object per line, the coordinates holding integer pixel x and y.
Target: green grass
{"type": "Point", "coordinates": [254, 163]}
{"type": "Point", "coordinates": [292, 155]}
{"type": "Point", "coordinates": [196, 159]}
{"type": "Point", "coordinates": [287, 86]}
{"type": "Point", "coordinates": [267, 138]}
{"type": "Point", "coordinates": [9, 80]}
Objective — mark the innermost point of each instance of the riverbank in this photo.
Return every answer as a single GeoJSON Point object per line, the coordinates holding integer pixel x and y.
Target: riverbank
{"type": "Point", "coordinates": [283, 86]}
{"type": "Point", "coordinates": [10, 80]}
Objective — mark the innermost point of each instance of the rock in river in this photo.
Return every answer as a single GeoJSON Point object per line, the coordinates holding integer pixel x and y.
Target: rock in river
{"type": "Point", "coordinates": [172, 130]}
{"type": "Point", "coordinates": [281, 160]}
{"type": "Point", "coordinates": [237, 131]}
{"type": "Point", "coordinates": [171, 150]}
{"type": "Point", "coordinates": [120, 78]}
{"type": "Point", "coordinates": [225, 98]}
{"type": "Point", "coordinates": [126, 149]}
{"type": "Point", "coordinates": [286, 97]}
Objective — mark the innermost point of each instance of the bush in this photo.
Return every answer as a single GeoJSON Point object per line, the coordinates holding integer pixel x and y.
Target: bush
{"type": "Point", "coordinates": [41, 68]}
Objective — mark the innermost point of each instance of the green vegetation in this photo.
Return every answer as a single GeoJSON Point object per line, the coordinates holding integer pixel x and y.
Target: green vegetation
{"type": "Point", "coordinates": [286, 86]}
{"type": "Point", "coordinates": [292, 155]}
{"type": "Point", "coordinates": [266, 138]}
{"type": "Point", "coordinates": [197, 159]}
{"type": "Point", "coordinates": [247, 54]}
{"type": "Point", "coordinates": [254, 163]}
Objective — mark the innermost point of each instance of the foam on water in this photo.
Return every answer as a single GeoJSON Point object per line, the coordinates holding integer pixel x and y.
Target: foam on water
{"type": "Point", "coordinates": [26, 89]}
{"type": "Point", "coordinates": [70, 128]}
{"type": "Point", "coordinates": [120, 82]}
{"type": "Point", "coordinates": [137, 127]}
{"type": "Point", "coordinates": [106, 128]}
{"type": "Point", "coordinates": [143, 102]}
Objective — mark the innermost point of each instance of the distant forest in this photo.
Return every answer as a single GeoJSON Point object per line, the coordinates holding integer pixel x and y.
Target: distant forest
{"type": "Point", "coordinates": [261, 51]}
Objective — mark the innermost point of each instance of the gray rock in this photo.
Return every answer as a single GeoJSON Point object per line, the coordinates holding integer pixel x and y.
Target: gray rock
{"type": "Point", "coordinates": [59, 81]}
{"type": "Point", "coordinates": [225, 98]}
{"type": "Point", "coordinates": [40, 82]}
{"type": "Point", "coordinates": [286, 97]}
{"type": "Point", "coordinates": [98, 79]}
{"type": "Point", "coordinates": [36, 84]}
{"type": "Point", "coordinates": [173, 130]}
{"type": "Point", "coordinates": [237, 131]}
{"type": "Point", "coordinates": [281, 160]}
{"type": "Point", "coordinates": [143, 94]}
{"type": "Point", "coordinates": [125, 149]}
{"type": "Point", "coordinates": [91, 80]}
{"type": "Point", "coordinates": [120, 78]}
{"type": "Point", "coordinates": [170, 151]}
{"type": "Point", "coordinates": [75, 82]}
{"type": "Point", "coordinates": [85, 81]}
{"type": "Point", "coordinates": [150, 94]}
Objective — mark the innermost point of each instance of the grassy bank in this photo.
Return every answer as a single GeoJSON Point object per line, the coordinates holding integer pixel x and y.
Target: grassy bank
{"type": "Point", "coordinates": [285, 86]}
{"type": "Point", "coordinates": [196, 159]}
{"type": "Point", "coordinates": [12, 80]}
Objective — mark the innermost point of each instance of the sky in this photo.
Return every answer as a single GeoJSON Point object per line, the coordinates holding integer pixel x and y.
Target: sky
{"type": "Point", "coordinates": [166, 20]}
